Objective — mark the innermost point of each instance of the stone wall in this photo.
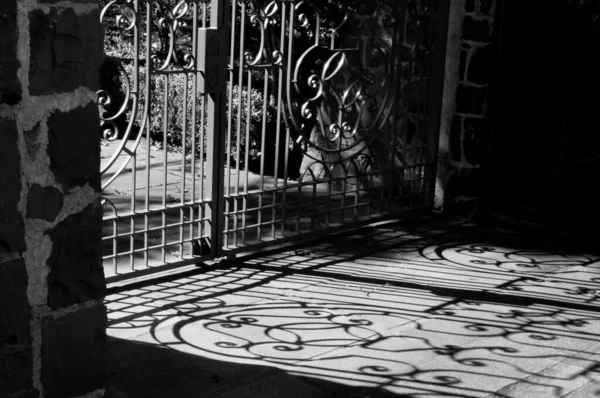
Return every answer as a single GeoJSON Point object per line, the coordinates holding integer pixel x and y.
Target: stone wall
{"type": "Point", "coordinates": [52, 317]}
{"type": "Point", "coordinates": [471, 58]}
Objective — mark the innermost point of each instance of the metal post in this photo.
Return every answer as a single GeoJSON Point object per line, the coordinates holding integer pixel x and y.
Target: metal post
{"type": "Point", "coordinates": [214, 79]}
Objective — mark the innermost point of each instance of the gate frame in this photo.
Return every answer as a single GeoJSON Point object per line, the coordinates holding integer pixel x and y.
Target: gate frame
{"type": "Point", "coordinates": [216, 66]}
{"type": "Point", "coordinates": [213, 70]}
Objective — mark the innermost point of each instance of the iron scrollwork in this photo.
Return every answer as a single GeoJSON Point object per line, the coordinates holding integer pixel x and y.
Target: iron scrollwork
{"type": "Point", "coordinates": [144, 39]}
{"type": "Point", "coordinates": [345, 81]}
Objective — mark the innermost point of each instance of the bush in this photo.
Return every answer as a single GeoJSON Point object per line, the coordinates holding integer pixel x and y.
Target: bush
{"type": "Point", "coordinates": [170, 90]}
{"type": "Point", "coordinates": [180, 114]}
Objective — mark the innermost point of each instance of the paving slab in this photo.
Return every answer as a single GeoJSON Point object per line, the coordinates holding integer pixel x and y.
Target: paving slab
{"type": "Point", "coordinates": [440, 310]}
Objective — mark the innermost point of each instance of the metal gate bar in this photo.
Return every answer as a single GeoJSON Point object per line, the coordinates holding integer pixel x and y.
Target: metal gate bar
{"type": "Point", "coordinates": [155, 205]}
{"type": "Point", "coordinates": [264, 206]}
{"type": "Point", "coordinates": [230, 125]}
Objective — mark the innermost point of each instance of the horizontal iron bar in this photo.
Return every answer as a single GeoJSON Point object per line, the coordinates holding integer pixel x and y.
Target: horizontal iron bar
{"type": "Point", "coordinates": [185, 206]}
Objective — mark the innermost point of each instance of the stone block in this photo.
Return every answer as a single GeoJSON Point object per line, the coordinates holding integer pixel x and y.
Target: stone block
{"type": "Point", "coordinates": [470, 99]}
{"type": "Point", "coordinates": [11, 221]}
{"type": "Point", "coordinates": [481, 66]}
{"type": "Point", "coordinates": [76, 273]}
{"type": "Point", "coordinates": [14, 313]}
{"type": "Point", "coordinates": [32, 141]}
{"type": "Point", "coordinates": [16, 374]}
{"type": "Point", "coordinates": [66, 51]}
{"type": "Point", "coordinates": [44, 203]}
{"type": "Point", "coordinates": [478, 30]}
{"type": "Point", "coordinates": [74, 147]}
{"type": "Point", "coordinates": [74, 353]}
{"type": "Point", "coordinates": [10, 86]}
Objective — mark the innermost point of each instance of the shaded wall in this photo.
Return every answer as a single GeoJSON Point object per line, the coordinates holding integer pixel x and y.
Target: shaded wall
{"type": "Point", "coordinates": [52, 318]}
{"type": "Point", "coordinates": [544, 154]}
{"type": "Point", "coordinates": [470, 65]}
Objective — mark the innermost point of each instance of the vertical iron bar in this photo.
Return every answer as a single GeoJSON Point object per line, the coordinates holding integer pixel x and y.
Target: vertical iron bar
{"type": "Point", "coordinates": [184, 136]}
{"type": "Point", "coordinates": [230, 77]}
{"type": "Point", "coordinates": [285, 179]}
{"type": "Point", "coordinates": [216, 124]}
{"type": "Point", "coordinates": [165, 168]}
{"type": "Point", "coordinates": [263, 137]}
{"type": "Point", "coordinates": [203, 130]}
{"type": "Point", "coordinates": [206, 178]}
{"type": "Point", "coordinates": [133, 163]}
{"type": "Point", "coordinates": [238, 143]}
{"type": "Point", "coordinates": [136, 88]}
{"type": "Point", "coordinates": [290, 51]}
{"type": "Point", "coordinates": [183, 161]}
{"type": "Point", "coordinates": [147, 116]}
{"type": "Point", "coordinates": [246, 151]}
{"type": "Point", "coordinates": [194, 126]}
{"type": "Point", "coordinates": [114, 245]}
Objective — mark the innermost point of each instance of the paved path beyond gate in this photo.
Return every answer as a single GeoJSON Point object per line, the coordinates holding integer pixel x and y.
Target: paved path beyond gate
{"type": "Point", "coordinates": [444, 309]}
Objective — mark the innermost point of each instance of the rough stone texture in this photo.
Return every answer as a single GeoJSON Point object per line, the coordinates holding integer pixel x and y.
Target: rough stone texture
{"type": "Point", "coordinates": [467, 135]}
{"type": "Point", "coordinates": [32, 141]}
{"type": "Point", "coordinates": [74, 147]}
{"type": "Point", "coordinates": [66, 51]}
{"type": "Point", "coordinates": [73, 353]}
{"type": "Point", "coordinates": [10, 87]}
{"type": "Point", "coordinates": [76, 273]}
{"type": "Point", "coordinates": [470, 99]}
{"type": "Point", "coordinates": [15, 374]}
{"type": "Point", "coordinates": [469, 132]}
{"type": "Point", "coordinates": [11, 222]}
{"type": "Point", "coordinates": [44, 203]}
{"type": "Point", "coordinates": [14, 318]}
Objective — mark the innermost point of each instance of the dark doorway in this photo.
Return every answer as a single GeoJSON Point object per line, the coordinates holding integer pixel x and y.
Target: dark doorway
{"type": "Point", "coordinates": [545, 157]}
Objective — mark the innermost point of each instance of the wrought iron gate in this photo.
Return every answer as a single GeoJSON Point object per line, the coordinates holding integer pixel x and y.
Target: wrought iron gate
{"type": "Point", "coordinates": [232, 125]}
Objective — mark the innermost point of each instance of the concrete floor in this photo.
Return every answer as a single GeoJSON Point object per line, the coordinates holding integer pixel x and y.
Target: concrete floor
{"type": "Point", "coordinates": [422, 309]}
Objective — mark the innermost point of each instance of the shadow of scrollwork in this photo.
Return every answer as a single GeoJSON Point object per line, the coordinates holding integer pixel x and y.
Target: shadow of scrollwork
{"type": "Point", "coordinates": [408, 311]}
